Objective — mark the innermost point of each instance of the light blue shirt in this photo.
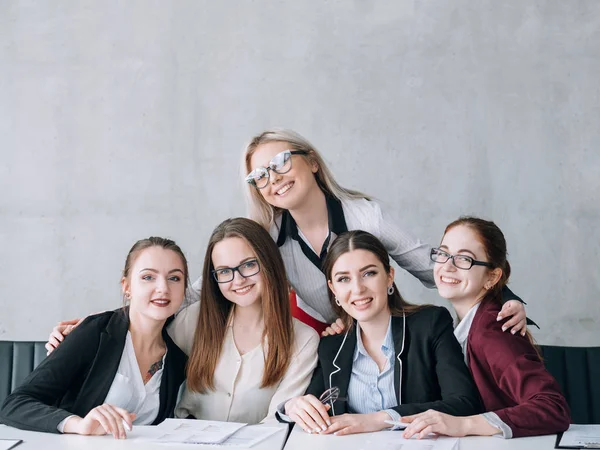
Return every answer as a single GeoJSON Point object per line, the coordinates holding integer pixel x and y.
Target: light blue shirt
{"type": "Point", "coordinates": [370, 390]}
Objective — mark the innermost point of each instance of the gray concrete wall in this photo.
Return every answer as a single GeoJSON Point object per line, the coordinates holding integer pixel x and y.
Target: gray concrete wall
{"type": "Point", "coordinates": [123, 119]}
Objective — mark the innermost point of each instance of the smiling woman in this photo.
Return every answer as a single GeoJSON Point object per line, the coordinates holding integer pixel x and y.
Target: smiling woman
{"type": "Point", "coordinates": [393, 360]}
{"type": "Point", "coordinates": [117, 368]}
{"type": "Point", "coordinates": [294, 195]}
{"type": "Point", "coordinates": [247, 353]}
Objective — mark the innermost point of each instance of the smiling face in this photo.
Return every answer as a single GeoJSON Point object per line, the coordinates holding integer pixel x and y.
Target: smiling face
{"type": "Point", "coordinates": [459, 285]}
{"type": "Point", "coordinates": [156, 283]}
{"type": "Point", "coordinates": [288, 190]}
{"type": "Point", "coordinates": [360, 283]}
{"type": "Point", "coordinates": [233, 252]}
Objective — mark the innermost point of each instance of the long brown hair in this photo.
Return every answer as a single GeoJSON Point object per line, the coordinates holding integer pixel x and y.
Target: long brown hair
{"type": "Point", "coordinates": [494, 245]}
{"type": "Point", "coordinates": [362, 240]}
{"type": "Point", "coordinates": [215, 309]}
{"type": "Point", "coordinates": [265, 213]}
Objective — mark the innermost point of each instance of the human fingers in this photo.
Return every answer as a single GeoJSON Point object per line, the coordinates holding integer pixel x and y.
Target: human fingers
{"type": "Point", "coordinates": [425, 432]}
{"type": "Point", "coordinates": [328, 332]}
{"type": "Point", "coordinates": [349, 429]}
{"type": "Point", "coordinates": [126, 418]}
{"type": "Point", "coordinates": [321, 416]}
{"type": "Point", "coordinates": [95, 423]}
{"type": "Point", "coordinates": [298, 421]}
{"type": "Point", "coordinates": [415, 427]}
{"type": "Point", "coordinates": [114, 421]}
{"type": "Point", "coordinates": [337, 423]}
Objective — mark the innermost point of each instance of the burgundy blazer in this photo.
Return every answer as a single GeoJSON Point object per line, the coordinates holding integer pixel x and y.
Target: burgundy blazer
{"type": "Point", "coordinates": [511, 378]}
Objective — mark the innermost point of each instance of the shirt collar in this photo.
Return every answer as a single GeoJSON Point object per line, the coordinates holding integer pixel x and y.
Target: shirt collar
{"type": "Point", "coordinates": [461, 331]}
{"type": "Point", "coordinates": [335, 216]}
{"type": "Point", "coordinates": [387, 347]}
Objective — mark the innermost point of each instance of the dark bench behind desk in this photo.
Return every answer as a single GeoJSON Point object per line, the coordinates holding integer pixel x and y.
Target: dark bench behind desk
{"type": "Point", "coordinates": [17, 360]}
{"type": "Point", "coordinates": [577, 370]}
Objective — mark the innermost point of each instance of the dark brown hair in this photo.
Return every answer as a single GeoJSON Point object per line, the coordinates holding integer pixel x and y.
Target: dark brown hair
{"type": "Point", "coordinates": [215, 309]}
{"type": "Point", "coordinates": [154, 241]}
{"type": "Point", "coordinates": [362, 240]}
{"type": "Point", "coordinates": [494, 244]}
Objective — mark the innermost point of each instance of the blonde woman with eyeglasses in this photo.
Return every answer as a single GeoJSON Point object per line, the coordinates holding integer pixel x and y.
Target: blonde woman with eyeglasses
{"type": "Point", "coordinates": [292, 193]}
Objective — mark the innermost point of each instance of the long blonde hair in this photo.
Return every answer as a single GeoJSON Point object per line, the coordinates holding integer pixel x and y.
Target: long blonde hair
{"type": "Point", "coordinates": [264, 213]}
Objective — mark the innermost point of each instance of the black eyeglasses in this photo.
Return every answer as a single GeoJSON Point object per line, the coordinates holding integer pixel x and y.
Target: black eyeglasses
{"type": "Point", "coordinates": [245, 269]}
{"type": "Point", "coordinates": [281, 163]}
{"type": "Point", "coordinates": [460, 261]}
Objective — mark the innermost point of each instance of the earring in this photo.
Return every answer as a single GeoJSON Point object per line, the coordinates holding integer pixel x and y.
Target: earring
{"type": "Point", "coordinates": [391, 290]}
{"type": "Point", "coordinates": [337, 302]}
{"type": "Point", "coordinates": [128, 295]}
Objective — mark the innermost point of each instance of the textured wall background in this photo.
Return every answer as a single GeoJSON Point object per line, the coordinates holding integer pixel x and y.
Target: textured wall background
{"type": "Point", "coordinates": [123, 119]}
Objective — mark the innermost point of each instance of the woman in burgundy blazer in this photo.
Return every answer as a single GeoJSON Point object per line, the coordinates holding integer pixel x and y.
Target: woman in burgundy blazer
{"type": "Point", "coordinates": [521, 397]}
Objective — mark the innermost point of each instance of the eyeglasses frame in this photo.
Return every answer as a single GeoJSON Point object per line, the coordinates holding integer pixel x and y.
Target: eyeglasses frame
{"type": "Point", "coordinates": [474, 262]}
{"type": "Point", "coordinates": [250, 180]}
{"type": "Point", "coordinates": [234, 270]}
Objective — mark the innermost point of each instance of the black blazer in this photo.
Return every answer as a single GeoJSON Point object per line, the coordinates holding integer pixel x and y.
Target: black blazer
{"type": "Point", "coordinates": [430, 372]}
{"type": "Point", "coordinates": [77, 376]}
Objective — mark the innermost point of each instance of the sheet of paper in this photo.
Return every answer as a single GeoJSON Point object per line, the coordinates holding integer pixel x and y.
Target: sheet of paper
{"type": "Point", "coordinates": [250, 435]}
{"type": "Point", "coordinates": [392, 440]}
{"type": "Point", "coordinates": [6, 444]}
{"type": "Point", "coordinates": [190, 431]}
{"type": "Point", "coordinates": [579, 435]}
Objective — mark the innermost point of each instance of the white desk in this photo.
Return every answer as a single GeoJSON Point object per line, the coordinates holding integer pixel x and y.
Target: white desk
{"type": "Point", "coordinates": [50, 441]}
{"type": "Point", "coordinates": [299, 440]}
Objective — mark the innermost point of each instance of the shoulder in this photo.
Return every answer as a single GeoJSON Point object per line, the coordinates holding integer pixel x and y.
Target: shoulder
{"type": "Point", "coordinates": [429, 315]}
{"type": "Point", "coordinates": [360, 210]}
{"type": "Point", "coordinates": [183, 328]}
{"type": "Point", "coordinates": [486, 332]}
{"type": "Point", "coordinates": [304, 335]}
{"type": "Point", "coordinates": [99, 322]}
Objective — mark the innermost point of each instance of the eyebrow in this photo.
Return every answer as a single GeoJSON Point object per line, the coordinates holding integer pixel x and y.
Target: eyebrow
{"type": "Point", "coordinates": [462, 250]}
{"type": "Point", "coordinates": [156, 271]}
{"type": "Point", "coordinates": [250, 258]}
{"type": "Point", "coordinates": [343, 272]}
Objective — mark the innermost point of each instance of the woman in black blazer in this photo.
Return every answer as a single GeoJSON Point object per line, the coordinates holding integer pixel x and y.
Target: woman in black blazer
{"type": "Point", "coordinates": [394, 359]}
{"type": "Point", "coordinates": [124, 355]}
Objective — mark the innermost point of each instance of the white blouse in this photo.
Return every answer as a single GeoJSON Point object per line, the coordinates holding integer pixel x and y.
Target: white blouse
{"type": "Point", "coordinates": [238, 396]}
{"type": "Point", "coordinates": [128, 390]}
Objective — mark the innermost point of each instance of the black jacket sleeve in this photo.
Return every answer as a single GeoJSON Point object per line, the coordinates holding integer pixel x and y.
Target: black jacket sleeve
{"type": "Point", "coordinates": [32, 406]}
{"type": "Point", "coordinates": [459, 393]}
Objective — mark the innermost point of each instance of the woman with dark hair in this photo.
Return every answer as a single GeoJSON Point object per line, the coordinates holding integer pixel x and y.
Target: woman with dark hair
{"type": "Point", "coordinates": [521, 397]}
{"type": "Point", "coordinates": [118, 368]}
{"type": "Point", "coordinates": [247, 353]}
{"type": "Point", "coordinates": [394, 358]}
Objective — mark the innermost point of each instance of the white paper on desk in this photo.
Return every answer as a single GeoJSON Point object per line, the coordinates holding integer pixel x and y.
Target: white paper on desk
{"type": "Point", "coordinates": [579, 435]}
{"type": "Point", "coordinates": [191, 431]}
{"type": "Point", "coordinates": [390, 440]}
{"type": "Point", "coordinates": [250, 435]}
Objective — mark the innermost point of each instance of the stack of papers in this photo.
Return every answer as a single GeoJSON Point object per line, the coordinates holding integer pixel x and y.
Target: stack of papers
{"type": "Point", "coordinates": [191, 431]}
{"type": "Point", "coordinates": [187, 431]}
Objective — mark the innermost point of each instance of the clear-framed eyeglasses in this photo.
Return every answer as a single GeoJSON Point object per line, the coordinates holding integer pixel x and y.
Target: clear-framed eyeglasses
{"type": "Point", "coordinates": [463, 262]}
{"type": "Point", "coordinates": [227, 274]}
{"type": "Point", "coordinates": [281, 163]}
{"type": "Point", "coordinates": [330, 396]}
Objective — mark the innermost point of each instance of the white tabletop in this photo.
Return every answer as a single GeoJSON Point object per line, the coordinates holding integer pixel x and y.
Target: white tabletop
{"type": "Point", "coordinates": [51, 441]}
{"type": "Point", "coordinates": [299, 440]}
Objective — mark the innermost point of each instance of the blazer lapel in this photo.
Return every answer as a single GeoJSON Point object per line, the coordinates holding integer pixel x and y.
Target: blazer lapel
{"type": "Point", "coordinates": [106, 363]}
{"type": "Point", "coordinates": [344, 361]}
{"type": "Point", "coordinates": [400, 345]}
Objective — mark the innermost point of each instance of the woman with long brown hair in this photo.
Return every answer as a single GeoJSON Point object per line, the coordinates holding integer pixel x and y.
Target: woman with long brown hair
{"type": "Point", "coordinates": [247, 353]}
{"type": "Point", "coordinates": [394, 358]}
{"type": "Point", "coordinates": [521, 397]}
